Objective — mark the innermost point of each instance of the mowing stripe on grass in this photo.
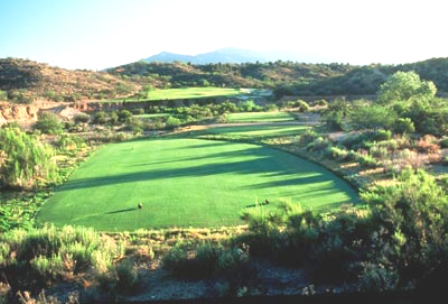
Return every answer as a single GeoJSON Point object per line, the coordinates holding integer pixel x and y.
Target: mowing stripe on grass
{"type": "Point", "coordinates": [260, 117]}
{"type": "Point", "coordinates": [186, 183]}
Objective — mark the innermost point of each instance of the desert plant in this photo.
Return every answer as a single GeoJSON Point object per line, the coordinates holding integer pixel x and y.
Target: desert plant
{"type": "Point", "coordinates": [128, 278]}
{"type": "Point", "coordinates": [48, 123]}
{"type": "Point", "coordinates": [302, 106]}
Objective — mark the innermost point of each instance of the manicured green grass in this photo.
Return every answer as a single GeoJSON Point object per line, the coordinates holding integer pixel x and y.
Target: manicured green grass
{"type": "Point", "coordinates": [153, 116]}
{"type": "Point", "coordinates": [260, 117]}
{"type": "Point", "coordinates": [193, 92]}
{"type": "Point", "coordinates": [263, 131]}
{"type": "Point", "coordinates": [186, 183]}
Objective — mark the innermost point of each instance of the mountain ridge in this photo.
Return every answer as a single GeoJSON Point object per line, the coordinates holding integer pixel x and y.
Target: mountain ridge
{"type": "Point", "coordinates": [225, 55]}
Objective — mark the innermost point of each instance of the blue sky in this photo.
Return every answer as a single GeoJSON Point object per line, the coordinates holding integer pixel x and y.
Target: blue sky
{"type": "Point", "coordinates": [96, 34]}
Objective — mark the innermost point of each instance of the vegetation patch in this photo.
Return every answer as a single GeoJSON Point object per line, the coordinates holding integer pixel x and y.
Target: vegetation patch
{"type": "Point", "coordinates": [187, 182]}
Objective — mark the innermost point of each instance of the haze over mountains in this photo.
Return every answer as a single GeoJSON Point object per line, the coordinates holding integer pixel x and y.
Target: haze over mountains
{"type": "Point", "coordinates": [230, 55]}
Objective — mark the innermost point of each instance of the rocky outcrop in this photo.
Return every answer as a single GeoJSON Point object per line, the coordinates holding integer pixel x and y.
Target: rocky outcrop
{"type": "Point", "coordinates": [15, 112]}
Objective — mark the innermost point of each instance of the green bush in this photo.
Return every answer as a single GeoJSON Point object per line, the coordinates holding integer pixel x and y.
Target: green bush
{"type": "Point", "coordinates": [124, 115]}
{"type": "Point", "coordinates": [176, 261]}
{"type": "Point", "coordinates": [49, 123]}
{"type": "Point", "coordinates": [128, 278]}
{"type": "Point", "coordinates": [443, 143]}
{"type": "Point", "coordinates": [302, 106]}
{"type": "Point", "coordinates": [100, 118]}
{"type": "Point", "coordinates": [81, 118]}
{"type": "Point", "coordinates": [172, 122]}
{"type": "Point", "coordinates": [307, 137]}
{"type": "Point", "coordinates": [381, 135]}
{"type": "Point", "coordinates": [337, 153]}
{"type": "Point", "coordinates": [26, 162]}
{"type": "Point", "coordinates": [322, 103]}
{"type": "Point", "coordinates": [319, 144]}
{"type": "Point", "coordinates": [366, 160]}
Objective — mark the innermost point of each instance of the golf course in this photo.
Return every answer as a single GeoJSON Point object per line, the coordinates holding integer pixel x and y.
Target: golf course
{"type": "Point", "coordinates": [187, 183]}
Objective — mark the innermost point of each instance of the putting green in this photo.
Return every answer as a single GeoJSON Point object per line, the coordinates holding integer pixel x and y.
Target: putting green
{"type": "Point", "coordinates": [186, 183]}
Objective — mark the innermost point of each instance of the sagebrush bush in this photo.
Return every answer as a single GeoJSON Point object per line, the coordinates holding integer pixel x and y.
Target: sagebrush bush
{"type": "Point", "coordinates": [128, 277]}
{"type": "Point", "coordinates": [443, 142]}
{"type": "Point", "coordinates": [307, 137]}
{"type": "Point", "coordinates": [319, 144]}
{"type": "Point", "coordinates": [337, 153]}
{"type": "Point", "coordinates": [56, 253]}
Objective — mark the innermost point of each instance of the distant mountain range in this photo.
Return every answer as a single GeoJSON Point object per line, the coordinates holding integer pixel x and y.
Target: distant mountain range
{"type": "Point", "coordinates": [227, 55]}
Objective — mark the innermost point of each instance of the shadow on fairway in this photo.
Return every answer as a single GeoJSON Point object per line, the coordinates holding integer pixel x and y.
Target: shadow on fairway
{"type": "Point", "coordinates": [122, 210]}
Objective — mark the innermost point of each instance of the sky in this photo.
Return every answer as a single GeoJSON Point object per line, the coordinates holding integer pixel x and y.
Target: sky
{"type": "Point", "coordinates": [98, 34]}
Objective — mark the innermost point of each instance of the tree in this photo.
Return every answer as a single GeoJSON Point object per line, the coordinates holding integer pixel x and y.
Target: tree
{"type": "Point", "coordinates": [49, 123]}
{"type": "Point", "coordinates": [403, 86]}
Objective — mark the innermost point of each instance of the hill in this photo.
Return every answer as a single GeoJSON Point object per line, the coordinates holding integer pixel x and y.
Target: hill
{"type": "Point", "coordinates": [366, 80]}
{"type": "Point", "coordinates": [24, 81]}
{"type": "Point", "coordinates": [257, 75]}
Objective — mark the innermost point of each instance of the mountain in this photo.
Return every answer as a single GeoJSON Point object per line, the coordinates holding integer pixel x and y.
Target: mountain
{"type": "Point", "coordinates": [225, 55]}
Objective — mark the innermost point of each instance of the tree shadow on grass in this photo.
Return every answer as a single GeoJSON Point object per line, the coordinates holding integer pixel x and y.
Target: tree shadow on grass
{"type": "Point", "coordinates": [121, 210]}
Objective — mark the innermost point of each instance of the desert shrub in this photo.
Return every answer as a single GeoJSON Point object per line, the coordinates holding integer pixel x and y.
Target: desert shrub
{"type": "Point", "coordinates": [207, 257]}
{"type": "Point", "coordinates": [365, 159]}
{"type": "Point", "coordinates": [128, 278]}
{"type": "Point", "coordinates": [49, 254]}
{"type": "Point", "coordinates": [329, 259]}
{"type": "Point", "coordinates": [48, 123]}
{"type": "Point", "coordinates": [270, 107]}
{"type": "Point", "coordinates": [24, 160]}
{"type": "Point", "coordinates": [248, 106]}
{"type": "Point", "coordinates": [411, 219]}
{"type": "Point", "coordinates": [81, 118]}
{"type": "Point", "coordinates": [379, 152]}
{"type": "Point", "coordinates": [176, 261]}
{"type": "Point", "coordinates": [443, 142]}
{"type": "Point", "coordinates": [302, 106]}
{"type": "Point", "coordinates": [135, 125]}
{"type": "Point", "coordinates": [20, 96]}
{"type": "Point", "coordinates": [376, 277]}
{"type": "Point", "coordinates": [124, 115]}
{"type": "Point", "coordinates": [381, 135]}
{"type": "Point", "coordinates": [307, 137]}
{"type": "Point", "coordinates": [404, 126]}
{"type": "Point", "coordinates": [319, 144]}
{"type": "Point", "coordinates": [50, 268]}
{"type": "Point", "coordinates": [172, 122]}
{"type": "Point", "coordinates": [138, 111]}
{"type": "Point", "coordinates": [337, 153]}
{"type": "Point", "coordinates": [100, 118]}
{"type": "Point", "coordinates": [3, 95]}
{"type": "Point", "coordinates": [113, 118]}
{"type": "Point", "coordinates": [70, 142]}
{"type": "Point", "coordinates": [322, 103]}
{"type": "Point", "coordinates": [428, 144]}
{"type": "Point", "coordinates": [354, 141]}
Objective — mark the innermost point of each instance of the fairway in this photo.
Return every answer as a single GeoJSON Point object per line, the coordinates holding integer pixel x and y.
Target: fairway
{"type": "Point", "coordinates": [192, 93]}
{"type": "Point", "coordinates": [259, 131]}
{"type": "Point", "coordinates": [186, 183]}
{"type": "Point", "coordinates": [260, 117]}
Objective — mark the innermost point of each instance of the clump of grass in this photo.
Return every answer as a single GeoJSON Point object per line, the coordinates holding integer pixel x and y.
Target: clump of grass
{"type": "Point", "coordinates": [53, 254]}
